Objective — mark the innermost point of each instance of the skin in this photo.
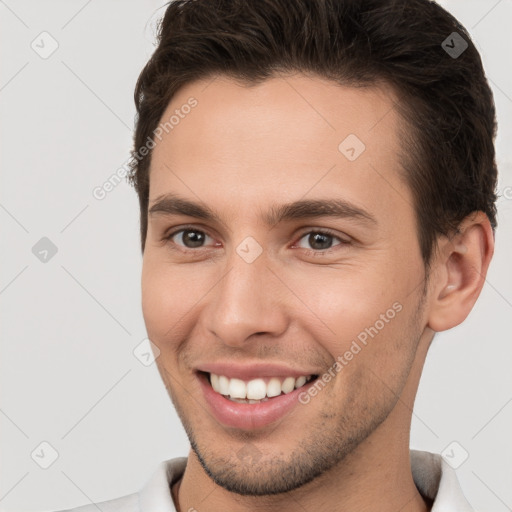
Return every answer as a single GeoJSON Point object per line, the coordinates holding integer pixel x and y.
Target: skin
{"type": "Point", "coordinates": [241, 150]}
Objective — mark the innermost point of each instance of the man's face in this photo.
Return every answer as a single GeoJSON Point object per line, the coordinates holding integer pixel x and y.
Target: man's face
{"type": "Point", "coordinates": [302, 295]}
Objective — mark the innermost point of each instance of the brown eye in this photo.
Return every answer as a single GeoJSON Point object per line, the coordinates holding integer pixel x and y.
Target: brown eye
{"type": "Point", "coordinates": [189, 238]}
{"type": "Point", "coordinates": [319, 240]}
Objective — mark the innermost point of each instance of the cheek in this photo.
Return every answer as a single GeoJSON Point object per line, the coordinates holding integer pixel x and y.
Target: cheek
{"type": "Point", "coordinates": [169, 295]}
{"type": "Point", "coordinates": [160, 294]}
{"type": "Point", "coordinates": [162, 308]}
{"type": "Point", "coordinates": [346, 299]}
{"type": "Point", "coordinates": [360, 312]}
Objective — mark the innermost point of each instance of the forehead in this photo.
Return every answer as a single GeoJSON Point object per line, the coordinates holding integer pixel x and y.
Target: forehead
{"type": "Point", "coordinates": [281, 139]}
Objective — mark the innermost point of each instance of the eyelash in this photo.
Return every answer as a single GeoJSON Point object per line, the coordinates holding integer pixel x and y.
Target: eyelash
{"type": "Point", "coordinates": [314, 252]}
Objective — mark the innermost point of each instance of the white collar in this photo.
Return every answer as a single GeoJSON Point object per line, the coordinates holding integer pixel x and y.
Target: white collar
{"type": "Point", "coordinates": [433, 477]}
{"type": "Point", "coordinates": [437, 480]}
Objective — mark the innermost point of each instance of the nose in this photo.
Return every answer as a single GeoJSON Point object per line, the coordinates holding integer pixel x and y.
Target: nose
{"type": "Point", "coordinates": [248, 300]}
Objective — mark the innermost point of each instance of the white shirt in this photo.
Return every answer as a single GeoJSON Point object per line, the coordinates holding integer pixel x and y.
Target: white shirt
{"type": "Point", "coordinates": [433, 477]}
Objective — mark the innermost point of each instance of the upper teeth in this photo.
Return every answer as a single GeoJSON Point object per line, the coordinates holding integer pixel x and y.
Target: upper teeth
{"type": "Point", "coordinates": [255, 389]}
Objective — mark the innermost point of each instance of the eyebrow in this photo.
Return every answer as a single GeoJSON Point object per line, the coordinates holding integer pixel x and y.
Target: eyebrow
{"type": "Point", "coordinates": [172, 204]}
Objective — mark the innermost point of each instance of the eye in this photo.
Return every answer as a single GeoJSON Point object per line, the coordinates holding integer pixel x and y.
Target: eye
{"type": "Point", "coordinates": [319, 241]}
{"type": "Point", "coordinates": [315, 242]}
{"type": "Point", "coordinates": [189, 238]}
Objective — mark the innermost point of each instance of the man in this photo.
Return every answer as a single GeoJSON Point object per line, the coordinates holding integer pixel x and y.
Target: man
{"type": "Point", "coordinates": [317, 191]}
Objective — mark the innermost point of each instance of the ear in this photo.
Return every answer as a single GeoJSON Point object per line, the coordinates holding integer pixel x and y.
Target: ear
{"type": "Point", "coordinates": [461, 265]}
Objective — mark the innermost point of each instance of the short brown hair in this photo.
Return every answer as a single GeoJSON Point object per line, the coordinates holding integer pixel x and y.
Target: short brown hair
{"type": "Point", "coordinates": [448, 142]}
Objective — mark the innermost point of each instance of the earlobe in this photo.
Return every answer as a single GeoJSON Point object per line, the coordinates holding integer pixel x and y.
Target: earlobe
{"type": "Point", "coordinates": [461, 267]}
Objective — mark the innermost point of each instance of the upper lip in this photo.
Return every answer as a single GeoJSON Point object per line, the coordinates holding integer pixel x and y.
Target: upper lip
{"type": "Point", "coordinates": [252, 370]}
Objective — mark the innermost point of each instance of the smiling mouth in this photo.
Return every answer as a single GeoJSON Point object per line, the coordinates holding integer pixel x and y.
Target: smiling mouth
{"type": "Point", "coordinates": [257, 390]}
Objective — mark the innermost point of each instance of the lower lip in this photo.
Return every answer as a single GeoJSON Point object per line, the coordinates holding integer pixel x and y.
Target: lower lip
{"type": "Point", "coordinates": [248, 416]}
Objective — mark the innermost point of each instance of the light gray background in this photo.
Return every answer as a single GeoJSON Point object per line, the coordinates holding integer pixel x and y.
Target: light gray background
{"type": "Point", "coordinates": [69, 326]}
